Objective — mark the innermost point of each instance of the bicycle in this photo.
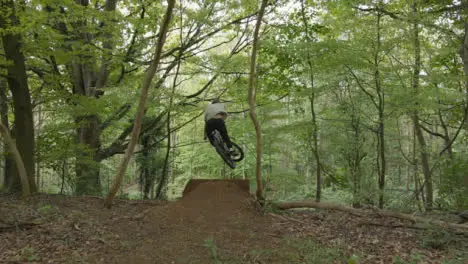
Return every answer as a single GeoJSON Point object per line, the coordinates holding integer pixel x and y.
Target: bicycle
{"type": "Point", "coordinates": [223, 150]}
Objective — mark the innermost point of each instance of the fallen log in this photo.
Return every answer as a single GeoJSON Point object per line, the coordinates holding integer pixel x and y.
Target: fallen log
{"type": "Point", "coordinates": [373, 212]}
{"type": "Point", "coordinates": [392, 226]}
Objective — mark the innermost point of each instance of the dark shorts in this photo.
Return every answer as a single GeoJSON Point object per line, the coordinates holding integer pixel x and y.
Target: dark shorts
{"type": "Point", "coordinates": [217, 124]}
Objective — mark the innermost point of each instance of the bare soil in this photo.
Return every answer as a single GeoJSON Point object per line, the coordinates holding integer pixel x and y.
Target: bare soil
{"type": "Point", "coordinates": [215, 222]}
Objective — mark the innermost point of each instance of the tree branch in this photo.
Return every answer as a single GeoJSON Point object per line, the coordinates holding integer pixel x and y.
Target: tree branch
{"type": "Point", "coordinates": [431, 132]}
{"type": "Point", "coordinates": [460, 7]}
{"type": "Point", "coordinates": [395, 15]}
{"type": "Point", "coordinates": [259, 105]}
{"type": "Point", "coordinates": [457, 133]}
{"type": "Point", "coordinates": [371, 96]}
{"type": "Point", "coordinates": [123, 110]}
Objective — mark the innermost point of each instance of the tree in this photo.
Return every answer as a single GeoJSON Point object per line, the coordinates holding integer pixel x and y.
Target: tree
{"type": "Point", "coordinates": [252, 95]}
{"type": "Point", "coordinates": [141, 106]}
{"type": "Point", "coordinates": [4, 120]}
{"type": "Point", "coordinates": [18, 161]}
{"type": "Point", "coordinates": [88, 80]}
{"type": "Point", "coordinates": [312, 96]}
{"type": "Point", "coordinates": [415, 115]}
{"type": "Point", "coordinates": [18, 84]}
{"type": "Point", "coordinates": [378, 100]}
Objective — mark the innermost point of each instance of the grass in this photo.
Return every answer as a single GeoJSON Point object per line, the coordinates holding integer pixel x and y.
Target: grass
{"type": "Point", "coordinates": [292, 250]}
{"type": "Point", "coordinates": [308, 251]}
{"type": "Point", "coordinates": [210, 244]}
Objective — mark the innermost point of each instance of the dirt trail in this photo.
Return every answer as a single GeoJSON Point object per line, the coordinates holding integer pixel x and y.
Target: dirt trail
{"type": "Point", "coordinates": [213, 214]}
{"type": "Point", "coordinates": [215, 222]}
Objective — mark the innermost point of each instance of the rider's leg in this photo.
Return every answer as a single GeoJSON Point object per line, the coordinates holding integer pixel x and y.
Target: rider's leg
{"type": "Point", "coordinates": [218, 124]}
{"type": "Point", "coordinates": [210, 126]}
{"type": "Point", "coordinates": [221, 126]}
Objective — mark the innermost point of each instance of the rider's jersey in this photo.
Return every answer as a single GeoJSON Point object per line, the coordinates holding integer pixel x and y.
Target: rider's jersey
{"type": "Point", "coordinates": [212, 110]}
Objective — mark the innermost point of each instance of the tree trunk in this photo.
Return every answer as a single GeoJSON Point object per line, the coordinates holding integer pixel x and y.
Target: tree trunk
{"type": "Point", "coordinates": [8, 162]}
{"type": "Point", "coordinates": [24, 181]}
{"type": "Point", "coordinates": [399, 175]}
{"type": "Point", "coordinates": [407, 181]}
{"type": "Point", "coordinates": [165, 172]}
{"type": "Point", "coordinates": [415, 115]}
{"type": "Point", "coordinates": [18, 84]}
{"type": "Point", "coordinates": [424, 163]}
{"type": "Point", "coordinates": [147, 173]}
{"type": "Point", "coordinates": [252, 97]}
{"type": "Point", "coordinates": [88, 133]}
{"type": "Point", "coordinates": [87, 165]}
{"type": "Point", "coordinates": [464, 55]}
{"type": "Point", "coordinates": [356, 158]}
{"type": "Point", "coordinates": [38, 156]}
{"type": "Point", "coordinates": [415, 174]}
{"type": "Point", "coordinates": [87, 82]}
{"type": "Point", "coordinates": [142, 103]}
{"type": "Point", "coordinates": [381, 160]}
{"type": "Point", "coordinates": [63, 173]}
{"type": "Point", "coordinates": [315, 149]}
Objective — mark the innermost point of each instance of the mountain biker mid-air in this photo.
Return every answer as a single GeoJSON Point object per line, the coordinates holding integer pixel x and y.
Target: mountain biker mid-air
{"type": "Point", "coordinates": [215, 114]}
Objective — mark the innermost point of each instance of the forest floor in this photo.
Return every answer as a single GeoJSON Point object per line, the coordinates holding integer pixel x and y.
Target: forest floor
{"type": "Point", "coordinates": [216, 222]}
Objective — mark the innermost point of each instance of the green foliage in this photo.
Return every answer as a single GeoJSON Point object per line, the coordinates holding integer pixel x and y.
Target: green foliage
{"type": "Point", "coordinates": [29, 254]}
{"type": "Point", "coordinates": [454, 186]}
{"type": "Point", "coordinates": [211, 246]}
{"type": "Point", "coordinates": [308, 251]}
{"type": "Point", "coordinates": [415, 259]}
{"type": "Point", "coordinates": [354, 259]}
{"type": "Point", "coordinates": [335, 63]}
{"type": "Point", "coordinates": [45, 208]}
{"type": "Point", "coordinates": [439, 239]}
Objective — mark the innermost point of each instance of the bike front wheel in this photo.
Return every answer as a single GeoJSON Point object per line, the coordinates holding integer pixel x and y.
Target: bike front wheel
{"type": "Point", "coordinates": [238, 154]}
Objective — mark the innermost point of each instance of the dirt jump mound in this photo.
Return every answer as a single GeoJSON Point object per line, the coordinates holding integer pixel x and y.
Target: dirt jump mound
{"type": "Point", "coordinates": [212, 197]}
{"type": "Point", "coordinates": [206, 199]}
{"type": "Point", "coordinates": [203, 188]}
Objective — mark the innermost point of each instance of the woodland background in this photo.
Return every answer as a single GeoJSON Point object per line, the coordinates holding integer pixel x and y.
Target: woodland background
{"type": "Point", "coordinates": [361, 102]}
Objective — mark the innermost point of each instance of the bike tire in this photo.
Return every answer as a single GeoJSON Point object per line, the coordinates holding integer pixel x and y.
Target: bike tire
{"type": "Point", "coordinates": [221, 148]}
{"type": "Point", "coordinates": [240, 151]}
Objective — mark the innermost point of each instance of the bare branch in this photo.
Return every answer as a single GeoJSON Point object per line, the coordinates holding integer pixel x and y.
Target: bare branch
{"type": "Point", "coordinates": [396, 15]}
{"type": "Point", "coordinates": [431, 132]}
{"type": "Point", "coordinates": [371, 96]}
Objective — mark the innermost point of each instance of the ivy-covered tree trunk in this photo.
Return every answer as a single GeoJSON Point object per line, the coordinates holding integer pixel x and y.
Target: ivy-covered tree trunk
{"type": "Point", "coordinates": [148, 170]}
{"type": "Point", "coordinates": [87, 167]}
{"type": "Point", "coordinates": [87, 82]}
{"type": "Point", "coordinates": [88, 135]}
{"type": "Point", "coordinates": [4, 120]}
{"type": "Point", "coordinates": [18, 84]}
